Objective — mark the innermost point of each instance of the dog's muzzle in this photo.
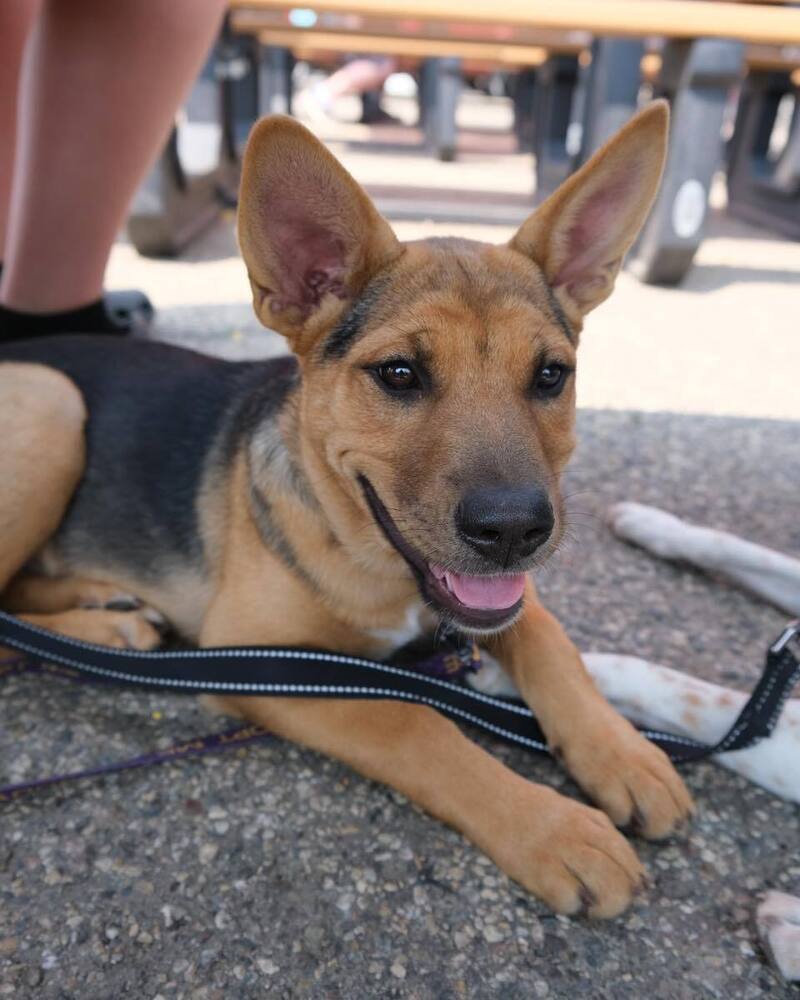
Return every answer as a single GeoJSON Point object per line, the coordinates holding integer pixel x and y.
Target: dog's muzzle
{"type": "Point", "coordinates": [477, 603]}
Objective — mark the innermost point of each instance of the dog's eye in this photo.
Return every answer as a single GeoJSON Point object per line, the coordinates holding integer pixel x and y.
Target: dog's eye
{"type": "Point", "coordinates": [550, 379]}
{"type": "Point", "coordinates": [399, 376]}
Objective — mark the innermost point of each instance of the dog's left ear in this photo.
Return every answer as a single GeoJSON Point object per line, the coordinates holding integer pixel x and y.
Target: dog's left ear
{"type": "Point", "coordinates": [581, 233]}
{"type": "Point", "coordinates": [310, 236]}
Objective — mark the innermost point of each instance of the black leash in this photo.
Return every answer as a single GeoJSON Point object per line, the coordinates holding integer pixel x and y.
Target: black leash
{"type": "Point", "coordinates": [290, 672]}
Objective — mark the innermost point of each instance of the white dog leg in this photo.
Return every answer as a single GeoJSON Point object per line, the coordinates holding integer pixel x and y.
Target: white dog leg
{"type": "Point", "coordinates": [660, 698]}
{"type": "Point", "coordinates": [764, 572]}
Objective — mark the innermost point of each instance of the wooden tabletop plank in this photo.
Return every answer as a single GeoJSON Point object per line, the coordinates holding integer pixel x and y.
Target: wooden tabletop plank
{"type": "Point", "coordinates": [253, 21]}
{"type": "Point", "coordinates": [677, 18]}
{"type": "Point", "coordinates": [421, 48]}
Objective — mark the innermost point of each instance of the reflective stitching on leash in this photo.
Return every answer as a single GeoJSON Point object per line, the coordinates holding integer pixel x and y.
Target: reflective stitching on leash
{"type": "Point", "coordinates": [734, 734]}
{"type": "Point", "coordinates": [344, 689]}
{"type": "Point", "coordinates": [654, 734]}
{"type": "Point", "coordinates": [294, 654]}
{"type": "Point", "coordinates": [773, 719]}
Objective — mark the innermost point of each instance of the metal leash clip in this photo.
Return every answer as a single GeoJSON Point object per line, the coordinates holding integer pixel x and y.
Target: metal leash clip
{"type": "Point", "coordinates": [789, 638]}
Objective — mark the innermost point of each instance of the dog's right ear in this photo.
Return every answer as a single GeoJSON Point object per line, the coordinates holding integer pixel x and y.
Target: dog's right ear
{"type": "Point", "coordinates": [310, 236]}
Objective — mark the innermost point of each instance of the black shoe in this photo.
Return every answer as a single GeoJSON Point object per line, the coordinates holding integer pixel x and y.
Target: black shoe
{"type": "Point", "coordinates": [116, 313]}
{"type": "Point", "coordinates": [130, 307]}
{"type": "Point", "coordinates": [377, 116]}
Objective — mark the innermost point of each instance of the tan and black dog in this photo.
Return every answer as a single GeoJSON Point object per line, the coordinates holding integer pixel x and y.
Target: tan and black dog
{"type": "Point", "coordinates": [402, 468]}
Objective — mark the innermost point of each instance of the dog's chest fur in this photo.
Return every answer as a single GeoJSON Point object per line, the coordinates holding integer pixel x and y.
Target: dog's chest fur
{"type": "Point", "coordinates": [418, 621]}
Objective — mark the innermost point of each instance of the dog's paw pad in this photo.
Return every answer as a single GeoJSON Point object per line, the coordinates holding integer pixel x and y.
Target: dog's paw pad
{"type": "Point", "coordinates": [778, 920]}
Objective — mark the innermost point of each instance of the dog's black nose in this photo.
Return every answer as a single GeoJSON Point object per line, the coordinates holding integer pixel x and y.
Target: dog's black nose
{"type": "Point", "coordinates": [505, 524]}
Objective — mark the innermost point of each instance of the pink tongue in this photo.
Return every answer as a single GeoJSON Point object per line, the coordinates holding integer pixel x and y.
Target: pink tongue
{"type": "Point", "coordinates": [490, 593]}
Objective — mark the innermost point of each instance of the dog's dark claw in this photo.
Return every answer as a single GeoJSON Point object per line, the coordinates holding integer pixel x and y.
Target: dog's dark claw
{"type": "Point", "coordinates": [682, 827]}
{"type": "Point", "coordinates": [587, 898]}
{"type": "Point", "coordinates": [637, 821]}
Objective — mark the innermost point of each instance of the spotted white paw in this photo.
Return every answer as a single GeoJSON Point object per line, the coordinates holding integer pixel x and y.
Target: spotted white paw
{"type": "Point", "coordinates": [778, 920]}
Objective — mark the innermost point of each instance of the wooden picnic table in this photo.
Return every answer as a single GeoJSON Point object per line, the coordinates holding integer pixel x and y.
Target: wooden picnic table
{"type": "Point", "coordinates": [705, 45]}
{"type": "Point", "coordinates": [174, 206]}
{"type": "Point", "coordinates": [747, 21]}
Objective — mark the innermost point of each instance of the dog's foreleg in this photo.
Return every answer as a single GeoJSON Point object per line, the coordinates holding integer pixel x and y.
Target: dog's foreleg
{"type": "Point", "coordinates": [567, 854]}
{"type": "Point", "coordinates": [762, 571]}
{"type": "Point", "coordinates": [630, 778]}
{"type": "Point", "coordinates": [657, 697]}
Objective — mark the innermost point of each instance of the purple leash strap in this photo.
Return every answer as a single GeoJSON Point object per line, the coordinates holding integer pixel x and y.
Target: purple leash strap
{"type": "Point", "coordinates": [240, 736]}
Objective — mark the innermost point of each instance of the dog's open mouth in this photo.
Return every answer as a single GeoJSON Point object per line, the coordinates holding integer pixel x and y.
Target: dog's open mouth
{"type": "Point", "coordinates": [482, 603]}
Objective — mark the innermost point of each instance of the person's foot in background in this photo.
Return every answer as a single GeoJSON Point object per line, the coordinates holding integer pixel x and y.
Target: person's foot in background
{"type": "Point", "coordinates": [364, 75]}
{"type": "Point", "coordinates": [88, 94]}
{"type": "Point", "coordinates": [371, 111]}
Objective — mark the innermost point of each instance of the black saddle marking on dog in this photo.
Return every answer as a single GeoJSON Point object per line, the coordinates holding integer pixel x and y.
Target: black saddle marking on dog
{"type": "Point", "coordinates": [159, 417]}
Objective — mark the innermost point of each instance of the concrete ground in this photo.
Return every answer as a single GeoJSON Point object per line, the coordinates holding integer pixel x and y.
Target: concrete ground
{"type": "Point", "coordinates": [274, 871]}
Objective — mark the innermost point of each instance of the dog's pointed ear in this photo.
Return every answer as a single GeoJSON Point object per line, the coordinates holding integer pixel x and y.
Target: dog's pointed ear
{"type": "Point", "coordinates": [581, 233]}
{"type": "Point", "coordinates": [310, 236]}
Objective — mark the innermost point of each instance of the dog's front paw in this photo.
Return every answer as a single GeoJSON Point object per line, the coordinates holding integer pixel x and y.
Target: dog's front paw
{"type": "Point", "coordinates": [569, 856]}
{"type": "Point", "coordinates": [137, 629]}
{"type": "Point", "coordinates": [630, 778]}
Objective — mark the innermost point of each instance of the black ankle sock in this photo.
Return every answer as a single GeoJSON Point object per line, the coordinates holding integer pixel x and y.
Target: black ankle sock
{"type": "Point", "coordinates": [116, 313]}
{"type": "Point", "coordinates": [93, 318]}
